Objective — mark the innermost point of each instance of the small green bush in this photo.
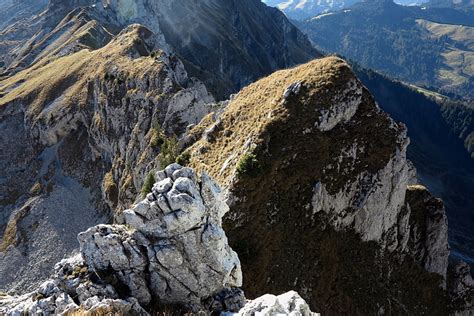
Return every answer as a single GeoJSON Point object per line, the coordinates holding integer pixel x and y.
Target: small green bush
{"type": "Point", "coordinates": [157, 136]}
{"type": "Point", "coordinates": [168, 147]}
{"type": "Point", "coordinates": [169, 152]}
{"type": "Point", "coordinates": [148, 184]}
{"type": "Point", "coordinates": [183, 159]}
{"type": "Point", "coordinates": [249, 165]}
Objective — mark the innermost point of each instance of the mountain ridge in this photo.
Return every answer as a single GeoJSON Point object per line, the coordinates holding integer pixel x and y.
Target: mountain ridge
{"type": "Point", "coordinates": [322, 196]}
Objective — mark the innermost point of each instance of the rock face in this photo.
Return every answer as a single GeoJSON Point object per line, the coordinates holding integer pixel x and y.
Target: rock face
{"type": "Point", "coordinates": [461, 288]}
{"type": "Point", "coordinates": [428, 230]}
{"type": "Point", "coordinates": [307, 153]}
{"type": "Point", "coordinates": [426, 119]}
{"type": "Point", "coordinates": [171, 248]}
{"type": "Point", "coordinates": [80, 130]}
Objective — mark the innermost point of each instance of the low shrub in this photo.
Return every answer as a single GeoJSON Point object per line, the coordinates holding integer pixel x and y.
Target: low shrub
{"type": "Point", "coordinates": [148, 184]}
{"type": "Point", "coordinates": [183, 159]}
{"type": "Point", "coordinates": [249, 165]}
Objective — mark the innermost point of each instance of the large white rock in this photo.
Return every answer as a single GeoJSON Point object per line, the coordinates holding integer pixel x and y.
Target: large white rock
{"type": "Point", "coordinates": [270, 305]}
{"type": "Point", "coordinates": [181, 255]}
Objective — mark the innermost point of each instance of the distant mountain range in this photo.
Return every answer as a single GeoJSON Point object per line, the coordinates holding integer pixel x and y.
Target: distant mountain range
{"type": "Point", "coordinates": [303, 9]}
{"type": "Point", "coordinates": [451, 3]}
{"type": "Point", "coordinates": [432, 47]}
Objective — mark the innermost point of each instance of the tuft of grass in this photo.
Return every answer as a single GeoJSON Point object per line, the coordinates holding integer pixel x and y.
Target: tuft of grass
{"type": "Point", "coordinates": [249, 165]}
{"type": "Point", "coordinates": [36, 189]}
{"type": "Point", "coordinates": [157, 136]}
{"type": "Point", "coordinates": [148, 184]}
{"type": "Point", "coordinates": [169, 151]}
{"type": "Point", "coordinates": [184, 159]}
{"type": "Point", "coordinates": [110, 188]}
{"type": "Point", "coordinates": [38, 297]}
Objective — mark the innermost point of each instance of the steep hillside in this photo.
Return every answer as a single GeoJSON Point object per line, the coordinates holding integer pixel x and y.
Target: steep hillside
{"type": "Point", "coordinates": [424, 46]}
{"type": "Point", "coordinates": [441, 133]}
{"type": "Point", "coordinates": [318, 186]}
{"type": "Point", "coordinates": [76, 134]}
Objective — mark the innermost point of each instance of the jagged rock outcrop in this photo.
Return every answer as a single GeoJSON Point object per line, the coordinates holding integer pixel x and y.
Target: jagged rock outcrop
{"type": "Point", "coordinates": [461, 289]}
{"type": "Point", "coordinates": [189, 260]}
{"type": "Point", "coordinates": [79, 129]}
{"type": "Point", "coordinates": [427, 241]}
{"type": "Point", "coordinates": [171, 248]}
{"type": "Point", "coordinates": [307, 153]}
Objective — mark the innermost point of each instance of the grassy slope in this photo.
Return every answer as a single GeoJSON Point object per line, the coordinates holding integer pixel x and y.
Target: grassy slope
{"type": "Point", "coordinates": [457, 62]}
{"type": "Point", "coordinates": [68, 77]}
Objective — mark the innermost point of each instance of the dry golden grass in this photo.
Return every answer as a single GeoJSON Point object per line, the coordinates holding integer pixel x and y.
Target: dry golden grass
{"type": "Point", "coordinates": [417, 187]}
{"type": "Point", "coordinates": [10, 234]}
{"type": "Point", "coordinates": [254, 108]}
{"type": "Point", "coordinates": [68, 77]}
